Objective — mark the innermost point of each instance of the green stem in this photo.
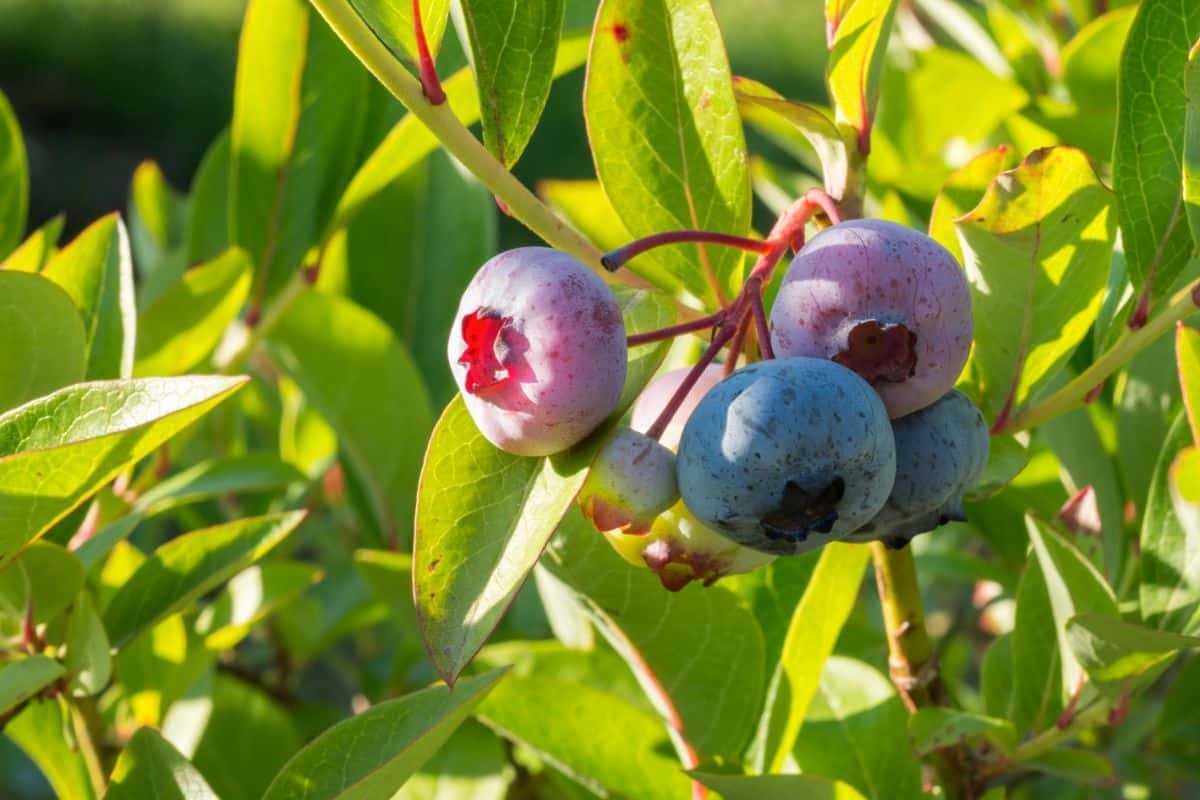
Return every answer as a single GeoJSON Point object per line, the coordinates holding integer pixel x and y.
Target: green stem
{"type": "Point", "coordinates": [1181, 306]}
{"type": "Point", "coordinates": [1092, 716]}
{"type": "Point", "coordinates": [911, 658]}
{"type": "Point", "coordinates": [87, 727]}
{"type": "Point", "coordinates": [455, 137]}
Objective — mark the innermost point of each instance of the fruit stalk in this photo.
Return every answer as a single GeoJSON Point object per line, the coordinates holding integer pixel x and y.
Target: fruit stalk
{"type": "Point", "coordinates": [911, 658]}
{"type": "Point", "coordinates": [431, 85]}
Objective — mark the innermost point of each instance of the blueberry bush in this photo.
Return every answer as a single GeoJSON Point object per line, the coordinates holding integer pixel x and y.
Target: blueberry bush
{"type": "Point", "coordinates": [308, 490]}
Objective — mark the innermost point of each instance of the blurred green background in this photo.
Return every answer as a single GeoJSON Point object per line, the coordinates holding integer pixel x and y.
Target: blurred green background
{"type": "Point", "coordinates": [101, 85]}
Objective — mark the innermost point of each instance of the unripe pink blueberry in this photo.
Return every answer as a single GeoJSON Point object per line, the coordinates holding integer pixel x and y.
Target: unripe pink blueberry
{"type": "Point", "coordinates": [883, 299]}
{"type": "Point", "coordinates": [538, 350]}
{"type": "Point", "coordinates": [655, 396]}
{"type": "Point", "coordinates": [631, 482]}
{"type": "Point", "coordinates": [681, 549]}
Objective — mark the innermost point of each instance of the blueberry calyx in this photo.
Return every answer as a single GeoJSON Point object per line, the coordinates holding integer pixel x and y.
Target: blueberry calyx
{"type": "Point", "coordinates": [880, 352]}
{"type": "Point", "coordinates": [800, 512]}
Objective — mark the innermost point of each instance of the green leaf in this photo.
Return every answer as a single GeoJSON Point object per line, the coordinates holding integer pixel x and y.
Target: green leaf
{"type": "Point", "coordinates": [1187, 357]}
{"type": "Point", "coordinates": [484, 516]}
{"type": "Point", "coordinates": [996, 681]}
{"type": "Point", "coordinates": [698, 653]}
{"type": "Point", "coordinates": [409, 140]}
{"type": "Point", "coordinates": [1036, 251]}
{"type": "Point", "coordinates": [1075, 587]}
{"type": "Point", "coordinates": [150, 767]}
{"type": "Point", "coordinates": [1191, 144]}
{"type": "Point", "coordinates": [37, 248]}
{"type": "Point", "coordinates": [1169, 588]}
{"type": "Point", "coordinates": [298, 120]}
{"type": "Point", "coordinates": [854, 732]}
{"type": "Point", "coordinates": [764, 107]}
{"type": "Point", "coordinates": [44, 344]}
{"type": "Point", "coordinates": [390, 576]}
{"type": "Point", "coordinates": [208, 208]}
{"type": "Point", "coordinates": [472, 765]}
{"type": "Point", "coordinates": [88, 659]}
{"type": "Point", "coordinates": [1146, 398]}
{"type": "Point", "coordinates": [600, 740]}
{"type": "Point", "coordinates": [185, 324]}
{"type": "Point", "coordinates": [816, 624]}
{"type": "Point", "coordinates": [353, 371]}
{"type": "Point", "coordinates": [410, 252]}
{"type": "Point", "coordinates": [775, 787]}
{"type": "Point", "coordinates": [22, 679]}
{"type": "Point", "coordinates": [1078, 766]}
{"type": "Point", "coordinates": [934, 728]}
{"type": "Point", "coordinates": [1090, 69]}
{"type": "Point", "coordinates": [244, 474]}
{"type": "Point", "coordinates": [392, 22]}
{"type": "Point", "coordinates": [157, 218]}
{"type": "Point", "coordinates": [373, 754]}
{"type": "Point", "coordinates": [962, 191]}
{"type": "Point", "coordinates": [245, 737]}
{"type": "Point", "coordinates": [250, 597]}
{"type": "Point", "coordinates": [156, 668]}
{"type": "Point", "coordinates": [1007, 458]}
{"type": "Point", "coordinates": [856, 61]}
{"type": "Point", "coordinates": [1147, 158]}
{"type": "Point", "coordinates": [96, 270]}
{"type": "Point", "coordinates": [914, 128]}
{"type": "Point", "coordinates": [1115, 653]}
{"type": "Point", "coordinates": [45, 574]}
{"type": "Point", "coordinates": [189, 566]}
{"type": "Point", "coordinates": [513, 45]}
{"type": "Point", "coordinates": [665, 134]}
{"type": "Point", "coordinates": [56, 451]}
{"type": "Point", "coordinates": [38, 730]}
{"type": "Point", "coordinates": [14, 179]}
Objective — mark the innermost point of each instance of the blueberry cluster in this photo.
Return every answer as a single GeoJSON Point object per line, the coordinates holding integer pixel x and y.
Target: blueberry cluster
{"type": "Point", "coordinates": [851, 432]}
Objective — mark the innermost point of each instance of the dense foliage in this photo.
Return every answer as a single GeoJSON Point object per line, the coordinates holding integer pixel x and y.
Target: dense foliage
{"type": "Point", "coordinates": [250, 531]}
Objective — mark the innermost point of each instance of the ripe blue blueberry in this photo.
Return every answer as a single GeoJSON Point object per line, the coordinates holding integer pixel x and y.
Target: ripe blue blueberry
{"type": "Point", "coordinates": [940, 452]}
{"type": "Point", "coordinates": [631, 482]}
{"type": "Point", "coordinates": [538, 350]}
{"type": "Point", "coordinates": [786, 454]}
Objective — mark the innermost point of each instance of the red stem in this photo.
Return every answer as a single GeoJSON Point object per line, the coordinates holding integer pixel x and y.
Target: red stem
{"type": "Point", "coordinates": [622, 255]}
{"type": "Point", "coordinates": [735, 347]}
{"type": "Point", "coordinates": [723, 335]}
{"type": "Point", "coordinates": [760, 323]}
{"type": "Point", "coordinates": [431, 86]}
{"type": "Point", "coordinates": [675, 330]}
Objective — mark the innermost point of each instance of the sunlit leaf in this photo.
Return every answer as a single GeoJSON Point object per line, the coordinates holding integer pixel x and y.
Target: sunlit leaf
{"type": "Point", "coordinates": [44, 343]}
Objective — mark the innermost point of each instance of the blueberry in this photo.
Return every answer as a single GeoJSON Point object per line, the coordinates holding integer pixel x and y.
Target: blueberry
{"type": "Point", "coordinates": [631, 482]}
{"type": "Point", "coordinates": [538, 350]}
{"type": "Point", "coordinates": [940, 452]}
{"type": "Point", "coordinates": [787, 454]}
{"type": "Point", "coordinates": [885, 300]}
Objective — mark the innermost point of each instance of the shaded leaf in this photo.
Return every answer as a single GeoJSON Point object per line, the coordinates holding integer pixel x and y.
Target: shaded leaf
{"type": "Point", "coordinates": [88, 659]}
{"type": "Point", "coordinates": [157, 220]}
{"type": "Point", "coordinates": [935, 728]}
{"type": "Point", "coordinates": [96, 270]}
{"type": "Point", "coordinates": [1191, 144]}
{"type": "Point", "coordinates": [243, 474]}
{"type": "Point", "coordinates": [298, 117]}
{"type": "Point", "coordinates": [698, 653]}
{"type": "Point", "coordinates": [38, 730]}
{"type": "Point", "coordinates": [185, 324]}
{"type": "Point", "coordinates": [22, 679]}
{"type": "Point", "coordinates": [1079, 766]}
{"type": "Point", "coordinates": [409, 140]}
{"type": "Point", "coordinates": [250, 597]}
{"type": "Point", "coordinates": [816, 624]}
{"type": "Point", "coordinates": [1115, 653]}
{"type": "Point", "coordinates": [374, 753]}
{"type": "Point", "coordinates": [775, 787]}
{"type": "Point", "coordinates": [1036, 252]}
{"type": "Point", "coordinates": [513, 45]}
{"type": "Point", "coordinates": [1075, 587]}
{"type": "Point", "coordinates": [852, 731]}
{"type": "Point", "coordinates": [1147, 158]}
{"type": "Point", "coordinates": [14, 179]}
{"type": "Point", "coordinates": [353, 371]}
{"type": "Point", "coordinates": [150, 767]}
{"type": "Point", "coordinates": [56, 451]}
{"type": "Point", "coordinates": [472, 765]}
{"type": "Point", "coordinates": [44, 345]}
{"type": "Point", "coordinates": [1187, 357]}
{"type": "Point", "coordinates": [208, 208]}
{"type": "Point", "coordinates": [665, 135]}
{"type": "Point", "coordinates": [1169, 587]}
{"type": "Point", "coordinates": [595, 737]}
{"type": "Point", "coordinates": [46, 575]}
{"type": "Point", "coordinates": [189, 566]}
{"type": "Point", "coordinates": [484, 516]}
